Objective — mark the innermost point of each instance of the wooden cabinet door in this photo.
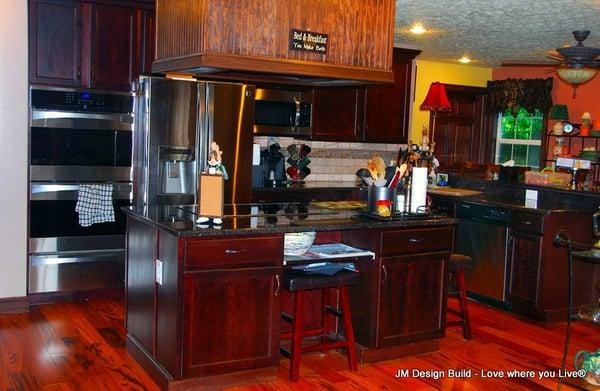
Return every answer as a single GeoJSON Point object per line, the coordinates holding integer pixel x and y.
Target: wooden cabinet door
{"type": "Point", "coordinates": [231, 320]}
{"type": "Point", "coordinates": [525, 253]}
{"type": "Point", "coordinates": [141, 256]}
{"type": "Point", "coordinates": [337, 114]}
{"type": "Point", "coordinates": [413, 299]}
{"type": "Point", "coordinates": [115, 49]}
{"type": "Point", "coordinates": [149, 43]}
{"type": "Point", "coordinates": [55, 42]}
{"type": "Point", "coordinates": [387, 107]}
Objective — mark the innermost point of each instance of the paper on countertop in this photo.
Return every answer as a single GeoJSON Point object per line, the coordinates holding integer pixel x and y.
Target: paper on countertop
{"type": "Point", "coordinates": [508, 163]}
{"type": "Point", "coordinates": [531, 198]}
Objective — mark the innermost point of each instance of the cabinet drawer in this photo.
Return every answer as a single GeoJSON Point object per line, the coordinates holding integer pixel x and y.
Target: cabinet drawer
{"type": "Point", "coordinates": [416, 241]}
{"type": "Point", "coordinates": [528, 222]}
{"type": "Point", "coordinates": [234, 252]}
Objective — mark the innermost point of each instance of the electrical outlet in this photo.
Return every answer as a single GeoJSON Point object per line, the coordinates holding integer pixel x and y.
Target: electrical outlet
{"type": "Point", "coordinates": [158, 272]}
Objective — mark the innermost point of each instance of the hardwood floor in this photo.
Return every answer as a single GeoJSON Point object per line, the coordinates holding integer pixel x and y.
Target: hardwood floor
{"type": "Point", "coordinates": [80, 346]}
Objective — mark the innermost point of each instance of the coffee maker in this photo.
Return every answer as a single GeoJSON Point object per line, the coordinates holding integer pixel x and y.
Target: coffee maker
{"type": "Point", "coordinates": [272, 164]}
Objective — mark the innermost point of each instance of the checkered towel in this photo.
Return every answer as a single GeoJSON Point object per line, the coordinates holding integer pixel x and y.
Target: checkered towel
{"type": "Point", "coordinates": [95, 204]}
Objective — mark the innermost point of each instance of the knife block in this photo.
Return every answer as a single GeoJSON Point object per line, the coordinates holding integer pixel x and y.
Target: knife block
{"type": "Point", "coordinates": [211, 195]}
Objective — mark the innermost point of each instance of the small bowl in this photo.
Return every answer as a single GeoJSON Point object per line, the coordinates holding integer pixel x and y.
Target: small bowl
{"type": "Point", "coordinates": [298, 243]}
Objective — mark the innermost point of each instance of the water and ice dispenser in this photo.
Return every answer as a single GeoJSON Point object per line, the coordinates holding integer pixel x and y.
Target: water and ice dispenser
{"type": "Point", "coordinates": [176, 170]}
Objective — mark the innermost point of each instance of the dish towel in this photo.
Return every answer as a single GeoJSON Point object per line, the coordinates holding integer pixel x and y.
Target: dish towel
{"type": "Point", "coordinates": [95, 204]}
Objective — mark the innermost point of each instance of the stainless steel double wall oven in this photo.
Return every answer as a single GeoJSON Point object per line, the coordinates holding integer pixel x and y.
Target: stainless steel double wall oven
{"type": "Point", "coordinates": [77, 137]}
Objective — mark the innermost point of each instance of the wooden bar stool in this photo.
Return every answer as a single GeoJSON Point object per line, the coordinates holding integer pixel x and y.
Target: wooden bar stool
{"type": "Point", "coordinates": [457, 265]}
{"type": "Point", "coordinates": [297, 282]}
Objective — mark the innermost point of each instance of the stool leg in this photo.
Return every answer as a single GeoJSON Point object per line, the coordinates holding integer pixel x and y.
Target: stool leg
{"type": "Point", "coordinates": [348, 330]}
{"type": "Point", "coordinates": [325, 323]}
{"type": "Point", "coordinates": [297, 335]}
{"type": "Point", "coordinates": [464, 309]}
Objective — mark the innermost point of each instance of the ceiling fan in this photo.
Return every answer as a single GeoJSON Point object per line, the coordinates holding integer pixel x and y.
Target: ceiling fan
{"type": "Point", "coordinates": [578, 64]}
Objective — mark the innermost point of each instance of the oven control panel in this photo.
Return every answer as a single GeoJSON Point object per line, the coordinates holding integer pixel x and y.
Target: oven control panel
{"type": "Point", "coordinates": [81, 101]}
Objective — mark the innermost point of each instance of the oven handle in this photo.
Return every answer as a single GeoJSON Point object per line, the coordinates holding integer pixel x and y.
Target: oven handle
{"type": "Point", "coordinates": [74, 120]}
{"type": "Point", "coordinates": [121, 191]}
{"type": "Point", "coordinates": [43, 260]}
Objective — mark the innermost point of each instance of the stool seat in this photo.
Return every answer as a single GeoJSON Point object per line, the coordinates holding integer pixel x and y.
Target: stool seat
{"type": "Point", "coordinates": [296, 279]}
{"type": "Point", "coordinates": [461, 261]}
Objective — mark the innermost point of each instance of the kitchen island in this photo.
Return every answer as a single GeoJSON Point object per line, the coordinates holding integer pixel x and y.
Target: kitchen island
{"type": "Point", "coordinates": [204, 303]}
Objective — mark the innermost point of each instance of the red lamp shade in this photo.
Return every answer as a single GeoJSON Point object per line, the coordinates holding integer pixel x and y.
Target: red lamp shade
{"type": "Point", "coordinates": [436, 99]}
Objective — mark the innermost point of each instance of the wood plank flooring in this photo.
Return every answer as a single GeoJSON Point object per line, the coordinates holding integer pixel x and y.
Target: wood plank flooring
{"type": "Point", "coordinates": [80, 346]}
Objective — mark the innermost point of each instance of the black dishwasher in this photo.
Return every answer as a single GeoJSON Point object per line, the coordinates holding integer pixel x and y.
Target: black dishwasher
{"type": "Point", "coordinates": [482, 233]}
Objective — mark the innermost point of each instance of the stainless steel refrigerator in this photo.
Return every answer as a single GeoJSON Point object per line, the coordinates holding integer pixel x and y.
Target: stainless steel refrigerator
{"type": "Point", "coordinates": [176, 121]}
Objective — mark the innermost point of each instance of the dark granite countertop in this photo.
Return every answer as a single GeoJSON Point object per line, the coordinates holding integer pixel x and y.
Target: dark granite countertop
{"type": "Point", "coordinates": [254, 219]}
{"type": "Point", "coordinates": [509, 203]}
{"type": "Point", "coordinates": [313, 186]}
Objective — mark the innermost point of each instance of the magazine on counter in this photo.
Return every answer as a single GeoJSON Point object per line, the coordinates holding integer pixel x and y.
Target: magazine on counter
{"type": "Point", "coordinates": [339, 250]}
{"type": "Point", "coordinates": [325, 251]}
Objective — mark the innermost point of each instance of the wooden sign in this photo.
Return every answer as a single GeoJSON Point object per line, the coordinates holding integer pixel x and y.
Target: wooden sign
{"type": "Point", "coordinates": [308, 41]}
{"type": "Point", "coordinates": [211, 196]}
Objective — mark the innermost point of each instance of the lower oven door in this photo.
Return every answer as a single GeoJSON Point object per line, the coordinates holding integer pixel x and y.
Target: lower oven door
{"type": "Point", "coordinates": [53, 219]}
{"type": "Point", "coordinates": [63, 255]}
{"type": "Point", "coordinates": [76, 271]}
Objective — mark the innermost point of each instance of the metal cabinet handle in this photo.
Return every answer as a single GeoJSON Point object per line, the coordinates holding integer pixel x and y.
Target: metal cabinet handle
{"type": "Point", "coordinates": [278, 286]}
{"type": "Point", "coordinates": [413, 240]}
{"type": "Point", "coordinates": [234, 252]}
{"type": "Point", "coordinates": [527, 222]}
{"type": "Point", "coordinates": [78, 75]}
{"type": "Point", "coordinates": [385, 274]}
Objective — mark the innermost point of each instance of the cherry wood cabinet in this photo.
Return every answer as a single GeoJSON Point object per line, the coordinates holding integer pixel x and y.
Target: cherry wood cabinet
{"type": "Point", "coordinates": [525, 253]}
{"type": "Point", "coordinates": [337, 114]}
{"type": "Point", "coordinates": [92, 44]}
{"type": "Point", "coordinates": [376, 113]}
{"type": "Point", "coordinates": [399, 306]}
{"type": "Point", "coordinates": [115, 47]}
{"type": "Point", "coordinates": [55, 42]}
{"type": "Point", "coordinates": [538, 269]}
{"type": "Point", "coordinates": [412, 305]}
{"type": "Point", "coordinates": [216, 310]}
{"type": "Point", "coordinates": [230, 320]}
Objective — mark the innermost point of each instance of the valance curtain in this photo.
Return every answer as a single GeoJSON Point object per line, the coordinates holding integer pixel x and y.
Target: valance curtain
{"type": "Point", "coordinates": [512, 94]}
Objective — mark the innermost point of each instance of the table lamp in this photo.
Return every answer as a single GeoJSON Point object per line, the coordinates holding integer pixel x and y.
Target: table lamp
{"type": "Point", "coordinates": [436, 100]}
{"type": "Point", "coordinates": [559, 113]}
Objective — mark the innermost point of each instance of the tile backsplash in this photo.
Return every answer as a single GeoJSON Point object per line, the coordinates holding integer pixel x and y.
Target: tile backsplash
{"type": "Point", "coordinates": [335, 161]}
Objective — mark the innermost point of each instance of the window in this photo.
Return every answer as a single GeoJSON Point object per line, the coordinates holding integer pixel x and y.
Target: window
{"type": "Point", "coordinates": [519, 137]}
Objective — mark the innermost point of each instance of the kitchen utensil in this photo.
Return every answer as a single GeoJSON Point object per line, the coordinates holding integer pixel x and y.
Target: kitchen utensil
{"type": "Point", "coordinates": [394, 181]}
{"type": "Point", "coordinates": [379, 167]}
{"type": "Point", "coordinates": [390, 171]}
{"type": "Point", "coordinates": [372, 169]}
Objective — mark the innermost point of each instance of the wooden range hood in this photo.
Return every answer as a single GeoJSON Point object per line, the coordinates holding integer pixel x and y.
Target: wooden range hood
{"type": "Point", "coordinates": [250, 39]}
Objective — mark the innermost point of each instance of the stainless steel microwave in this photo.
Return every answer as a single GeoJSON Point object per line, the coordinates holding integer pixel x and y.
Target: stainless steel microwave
{"type": "Point", "coordinates": [283, 113]}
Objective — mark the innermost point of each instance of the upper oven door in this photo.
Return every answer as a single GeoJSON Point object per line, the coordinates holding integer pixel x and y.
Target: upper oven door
{"type": "Point", "coordinates": [283, 113]}
{"type": "Point", "coordinates": [72, 146]}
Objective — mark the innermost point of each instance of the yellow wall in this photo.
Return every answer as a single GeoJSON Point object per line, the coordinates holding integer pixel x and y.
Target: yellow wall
{"type": "Point", "coordinates": [430, 71]}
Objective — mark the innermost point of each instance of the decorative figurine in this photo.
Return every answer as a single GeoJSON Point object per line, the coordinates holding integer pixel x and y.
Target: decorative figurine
{"type": "Point", "coordinates": [214, 161]}
{"type": "Point", "coordinates": [215, 167]}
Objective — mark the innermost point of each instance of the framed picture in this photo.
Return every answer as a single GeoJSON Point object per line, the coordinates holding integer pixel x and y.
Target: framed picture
{"type": "Point", "coordinates": [442, 179]}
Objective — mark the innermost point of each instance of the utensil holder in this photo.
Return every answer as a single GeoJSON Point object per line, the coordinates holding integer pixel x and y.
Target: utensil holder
{"type": "Point", "coordinates": [379, 193]}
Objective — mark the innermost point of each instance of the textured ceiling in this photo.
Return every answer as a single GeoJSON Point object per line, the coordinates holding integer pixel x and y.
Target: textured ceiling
{"type": "Point", "coordinates": [495, 31]}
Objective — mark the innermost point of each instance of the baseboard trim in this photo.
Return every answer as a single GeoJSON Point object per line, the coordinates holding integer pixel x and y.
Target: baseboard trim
{"type": "Point", "coordinates": [14, 305]}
